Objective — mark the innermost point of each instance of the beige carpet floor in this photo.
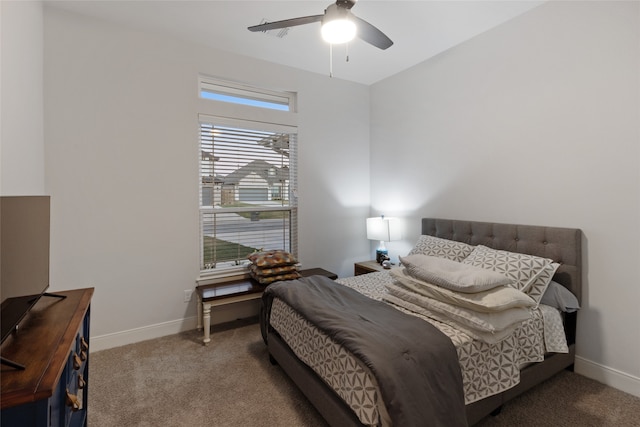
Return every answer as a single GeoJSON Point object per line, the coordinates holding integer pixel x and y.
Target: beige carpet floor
{"type": "Point", "coordinates": [176, 381]}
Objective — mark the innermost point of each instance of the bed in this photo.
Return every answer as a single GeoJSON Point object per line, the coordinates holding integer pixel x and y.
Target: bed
{"type": "Point", "coordinates": [519, 363]}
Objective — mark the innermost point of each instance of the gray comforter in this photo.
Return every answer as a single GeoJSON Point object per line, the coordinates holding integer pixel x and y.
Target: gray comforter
{"type": "Point", "coordinates": [416, 366]}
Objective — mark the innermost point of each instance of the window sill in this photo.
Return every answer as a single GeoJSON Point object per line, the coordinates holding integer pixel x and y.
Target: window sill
{"type": "Point", "coordinates": [215, 276]}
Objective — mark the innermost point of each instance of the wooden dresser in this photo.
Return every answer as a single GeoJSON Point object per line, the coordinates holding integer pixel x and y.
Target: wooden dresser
{"type": "Point", "coordinates": [53, 345]}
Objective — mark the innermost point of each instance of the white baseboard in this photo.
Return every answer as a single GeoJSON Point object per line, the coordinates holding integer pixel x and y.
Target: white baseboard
{"type": "Point", "coordinates": [117, 339]}
{"type": "Point", "coordinates": [220, 314]}
{"type": "Point", "coordinates": [605, 375]}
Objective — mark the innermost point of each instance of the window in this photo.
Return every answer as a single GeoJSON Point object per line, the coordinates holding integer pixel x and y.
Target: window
{"type": "Point", "coordinates": [247, 188]}
{"type": "Point", "coordinates": [236, 93]}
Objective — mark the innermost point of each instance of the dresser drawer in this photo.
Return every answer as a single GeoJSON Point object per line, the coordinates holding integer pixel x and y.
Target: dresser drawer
{"type": "Point", "coordinates": [69, 402]}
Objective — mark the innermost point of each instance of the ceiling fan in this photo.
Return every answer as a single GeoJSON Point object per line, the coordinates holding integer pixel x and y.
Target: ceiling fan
{"type": "Point", "coordinates": [339, 25]}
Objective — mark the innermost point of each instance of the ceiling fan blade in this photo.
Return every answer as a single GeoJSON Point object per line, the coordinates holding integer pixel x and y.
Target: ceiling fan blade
{"type": "Point", "coordinates": [371, 34]}
{"type": "Point", "coordinates": [286, 23]}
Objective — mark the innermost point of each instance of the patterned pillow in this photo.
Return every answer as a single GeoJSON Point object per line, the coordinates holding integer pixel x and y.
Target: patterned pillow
{"type": "Point", "coordinates": [265, 280]}
{"type": "Point", "coordinates": [442, 248]}
{"type": "Point", "coordinates": [271, 271]}
{"type": "Point", "coordinates": [539, 286]}
{"type": "Point", "coordinates": [523, 269]}
{"type": "Point", "coordinates": [272, 258]}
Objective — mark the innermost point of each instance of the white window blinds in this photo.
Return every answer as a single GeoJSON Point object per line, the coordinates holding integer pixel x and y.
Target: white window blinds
{"type": "Point", "coordinates": [247, 190]}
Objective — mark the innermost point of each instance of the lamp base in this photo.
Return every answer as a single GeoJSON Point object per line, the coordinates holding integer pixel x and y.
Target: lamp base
{"type": "Point", "coordinates": [381, 255]}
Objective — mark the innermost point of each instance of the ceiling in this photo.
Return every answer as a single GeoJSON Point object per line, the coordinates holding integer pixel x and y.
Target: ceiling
{"type": "Point", "coordinates": [419, 29]}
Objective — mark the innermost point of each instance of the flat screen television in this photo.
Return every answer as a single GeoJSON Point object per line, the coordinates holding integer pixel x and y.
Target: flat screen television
{"type": "Point", "coordinates": [24, 256]}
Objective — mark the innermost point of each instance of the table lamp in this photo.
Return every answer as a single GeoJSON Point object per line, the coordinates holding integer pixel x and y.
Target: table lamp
{"type": "Point", "coordinates": [384, 230]}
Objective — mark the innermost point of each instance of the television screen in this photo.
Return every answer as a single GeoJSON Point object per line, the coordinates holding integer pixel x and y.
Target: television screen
{"type": "Point", "coordinates": [24, 256]}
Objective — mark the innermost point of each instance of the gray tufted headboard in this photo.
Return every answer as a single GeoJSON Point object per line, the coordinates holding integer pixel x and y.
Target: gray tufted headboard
{"type": "Point", "coordinates": [563, 245]}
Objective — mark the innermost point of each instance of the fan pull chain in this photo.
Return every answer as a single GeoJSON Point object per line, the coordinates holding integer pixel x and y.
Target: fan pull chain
{"type": "Point", "coordinates": [331, 60]}
{"type": "Point", "coordinates": [331, 57]}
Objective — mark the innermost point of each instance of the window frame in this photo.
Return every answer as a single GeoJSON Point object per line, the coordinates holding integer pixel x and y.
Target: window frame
{"type": "Point", "coordinates": [249, 117]}
{"type": "Point", "coordinates": [234, 93]}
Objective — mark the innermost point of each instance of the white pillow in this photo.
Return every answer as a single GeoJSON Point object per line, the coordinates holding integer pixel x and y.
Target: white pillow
{"type": "Point", "coordinates": [452, 275]}
{"type": "Point", "coordinates": [487, 337]}
{"type": "Point", "coordinates": [496, 299]}
{"type": "Point", "coordinates": [487, 322]}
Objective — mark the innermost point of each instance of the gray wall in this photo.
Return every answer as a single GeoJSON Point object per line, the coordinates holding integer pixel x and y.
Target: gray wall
{"type": "Point", "coordinates": [534, 122]}
{"type": "Point", "coordinates": [21, 115]}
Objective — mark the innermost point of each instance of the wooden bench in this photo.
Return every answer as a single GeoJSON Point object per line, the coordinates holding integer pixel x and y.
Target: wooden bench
{"type": "Point", "coordinates": [230, 292]}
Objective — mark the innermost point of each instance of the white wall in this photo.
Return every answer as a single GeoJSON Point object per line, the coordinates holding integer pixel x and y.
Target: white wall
{"type": "Point", "coordinates": [534, 122]}
{"type": "Point", "coordinates": [122, 153]}
{"type": "Point", "coordinates": [21, 116]}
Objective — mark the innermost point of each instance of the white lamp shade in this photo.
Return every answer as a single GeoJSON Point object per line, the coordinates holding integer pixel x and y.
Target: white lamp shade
{"type": "Point", "coordinates": [383, 229]}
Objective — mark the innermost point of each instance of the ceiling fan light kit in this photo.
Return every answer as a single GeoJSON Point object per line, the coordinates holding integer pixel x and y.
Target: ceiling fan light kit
{"type": "Point", "coordinates": [337, 25]}
{"type": "Point", "coordinates": [338, 31]}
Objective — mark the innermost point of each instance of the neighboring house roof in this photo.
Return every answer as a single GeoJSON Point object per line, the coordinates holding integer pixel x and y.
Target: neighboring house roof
{"type": "Point", "coordinates": [260, 168]}
{"type": "Point", "coordinates": [212, 180]}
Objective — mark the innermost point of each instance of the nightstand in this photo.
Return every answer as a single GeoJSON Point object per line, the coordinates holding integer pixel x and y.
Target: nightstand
{"type": "Point", "coordinates": [365, 267]}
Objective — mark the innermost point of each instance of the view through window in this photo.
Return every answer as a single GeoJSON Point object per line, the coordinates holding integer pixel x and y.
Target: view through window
{"type": "Point", "coordinates": [247, 192]}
